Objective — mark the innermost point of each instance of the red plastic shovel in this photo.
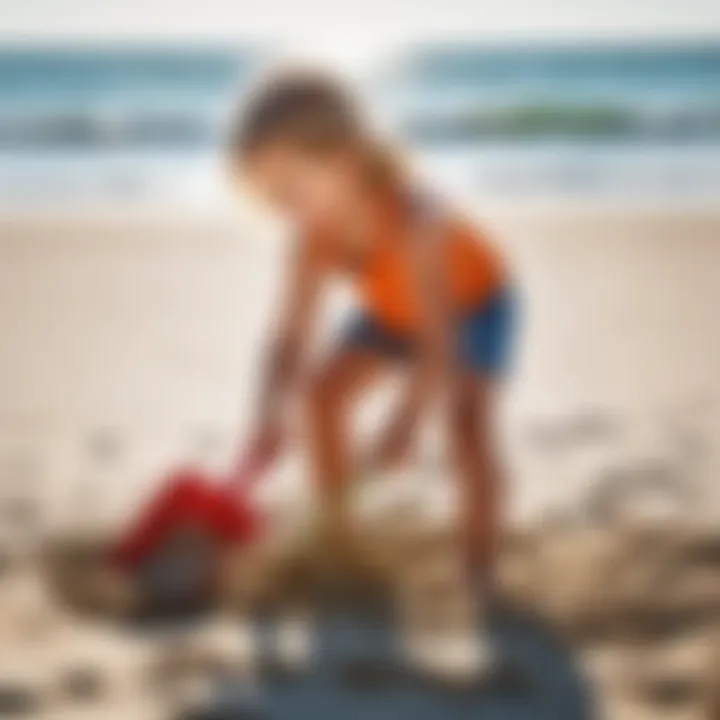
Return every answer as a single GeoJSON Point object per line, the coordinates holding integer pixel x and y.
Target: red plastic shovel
{"type": "Point", "coordinates": [219, 508]}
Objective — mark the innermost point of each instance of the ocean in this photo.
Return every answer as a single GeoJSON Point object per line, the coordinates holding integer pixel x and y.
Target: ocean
{"type": "Point", "coordinates": [137, 124]}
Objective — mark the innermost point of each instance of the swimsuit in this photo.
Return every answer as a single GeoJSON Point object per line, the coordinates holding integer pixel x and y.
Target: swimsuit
{"type": "Point", "coordinates": [481, 298]}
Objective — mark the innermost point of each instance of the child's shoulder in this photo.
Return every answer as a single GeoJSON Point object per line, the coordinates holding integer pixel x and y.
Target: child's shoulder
{"type": "Point", "coordinates": [429, 204]}
{"type": "Point", "coordinates": [426, 203]}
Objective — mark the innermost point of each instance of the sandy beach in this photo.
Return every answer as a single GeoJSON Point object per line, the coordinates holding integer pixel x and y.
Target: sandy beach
{"type": "Point", "coordinates": [136, 293]}
{"type": "Point", "coordinates": [130, 342]}
{"type": "Point", "coordinates": [138, 335]}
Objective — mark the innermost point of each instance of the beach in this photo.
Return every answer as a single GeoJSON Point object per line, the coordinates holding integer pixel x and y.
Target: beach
{"type": "Point", "coordinates": [141, 332]}
{"type": "Point", "coordinates": [136, 300]}
{"type": "Point", "coordinates": [130, 345]}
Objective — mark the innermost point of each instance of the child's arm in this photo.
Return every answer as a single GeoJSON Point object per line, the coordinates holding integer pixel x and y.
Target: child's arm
{"type": "Point", "coordinates": [286, 349]}
{"type": "Point", "coordinates": [434, 376]}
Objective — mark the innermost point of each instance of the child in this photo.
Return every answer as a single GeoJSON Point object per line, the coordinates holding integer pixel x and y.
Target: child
{"type": "Point", "coordinates": [434, 296]}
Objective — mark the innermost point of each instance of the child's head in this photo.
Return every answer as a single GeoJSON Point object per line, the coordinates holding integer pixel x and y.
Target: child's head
{"type": "Point", "coordinates": [303, 144]}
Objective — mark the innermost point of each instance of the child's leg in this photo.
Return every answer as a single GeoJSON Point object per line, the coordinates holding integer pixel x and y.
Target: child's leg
{"type": "Point", "coordinates": [333, 396]}
{"type": "Point", "coordinates": [475, 451]}
{"type": "Point", "coordinates": [485, 345]}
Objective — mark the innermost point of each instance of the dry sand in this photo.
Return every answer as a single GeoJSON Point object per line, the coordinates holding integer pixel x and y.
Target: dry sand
{"type": "Point", "coordinates": [132, 340]}
{"type": "Point", "coordinates": [129, 342]}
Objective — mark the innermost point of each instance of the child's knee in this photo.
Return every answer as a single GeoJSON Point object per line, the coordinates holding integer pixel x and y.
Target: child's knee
{"type": "Point", "coordinates": [327, 393]}
{"type": "Point", "coordinates": [472, 429]}
{"type": "Point", "coordinates": [464, 416]}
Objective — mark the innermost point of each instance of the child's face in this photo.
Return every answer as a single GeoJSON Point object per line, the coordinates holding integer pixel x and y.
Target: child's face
{"type": "Point", "coordinates": [311, 190]}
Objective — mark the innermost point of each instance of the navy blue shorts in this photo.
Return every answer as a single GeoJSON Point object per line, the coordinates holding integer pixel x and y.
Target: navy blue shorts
{"type": "Point", "coordinates": [484, 338]}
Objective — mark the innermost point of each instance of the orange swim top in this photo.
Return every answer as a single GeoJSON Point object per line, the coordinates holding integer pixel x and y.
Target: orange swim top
{"type": "Point", "coordinates": [386, 284]}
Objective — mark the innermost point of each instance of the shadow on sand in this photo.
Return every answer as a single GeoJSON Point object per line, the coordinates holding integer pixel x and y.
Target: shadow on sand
{"type": "Point", "coordinates": [358, 674]}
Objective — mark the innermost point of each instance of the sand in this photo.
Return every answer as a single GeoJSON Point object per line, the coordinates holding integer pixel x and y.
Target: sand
{"type": "Point", "coordinates": [130, 341]}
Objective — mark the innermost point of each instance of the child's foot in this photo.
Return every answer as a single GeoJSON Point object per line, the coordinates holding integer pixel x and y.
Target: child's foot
{"type": "Point", "coordinates": [456, 659]}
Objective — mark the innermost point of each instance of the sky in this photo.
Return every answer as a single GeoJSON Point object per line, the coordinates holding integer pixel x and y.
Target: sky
{"type": "Point", "coordinates": [353, 31]}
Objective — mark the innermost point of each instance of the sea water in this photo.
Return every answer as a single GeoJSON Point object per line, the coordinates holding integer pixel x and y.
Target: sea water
{"type": "Point", "coordinates": [135, 124]}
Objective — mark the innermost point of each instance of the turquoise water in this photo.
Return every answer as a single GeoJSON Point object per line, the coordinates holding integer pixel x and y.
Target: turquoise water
{"type": "Point", "coordinates": [589, 119]}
